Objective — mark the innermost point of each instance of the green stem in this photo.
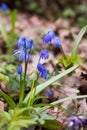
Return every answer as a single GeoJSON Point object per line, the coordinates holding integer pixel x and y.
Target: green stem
{"type": "Point", "coordinates": [20, 86]}
{"type": "Point", "coordinates": [33, 89]}
{"type": "Point", "coordinates": [33, 92]}
{"type": "Point", "coordinates": [24, 85]}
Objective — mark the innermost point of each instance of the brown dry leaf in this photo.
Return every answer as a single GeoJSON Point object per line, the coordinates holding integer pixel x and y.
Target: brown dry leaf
{"type": "Point", "coordinates": [83, 106]}
{"type": "Point", "coordinates": [60, 23]}
{"type": "Point", "coordinates": [74, 31]}
{"type": "Point", "coordinates": [72, 81]}
{"type": "Point", "coordinates": [67, 104]}
{"type": "Point", "coordinates": [2, 105]}
{"type": "Point", "coordinates": [64, 33]}
{"type": "Point", "coordinates": [67, 91]}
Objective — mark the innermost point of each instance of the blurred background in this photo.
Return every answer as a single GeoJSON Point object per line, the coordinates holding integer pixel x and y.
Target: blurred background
{"type": "Point", "coordinates": [75, 10]}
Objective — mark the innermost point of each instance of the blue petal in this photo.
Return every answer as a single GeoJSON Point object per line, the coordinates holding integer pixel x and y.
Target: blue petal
{"type": "Point", "coordinates": [44, 54]}
{"type": "Point", "coordinates": [29, 44]}
{"type": "Point", "coordinates": [56, 41]}
{"type": "Point", "coordinates": [21, 42]}
{"type": "Point", "coordinates": [49, 93]}
{"type": "Point", "coordinates": [51, 33]}
{"type": "Point", "coordinates": [4, 7]}
{"type": "Point", "coordinates": [16, 52]}
{"type": "Point", "coordinates": [42, 70]}
{"type": "Point", "coordinates": [19, 69]}
{"type": "Point", "coordinates": [48, 37]}
{"type": "Point", "coordinates": [21, 56]}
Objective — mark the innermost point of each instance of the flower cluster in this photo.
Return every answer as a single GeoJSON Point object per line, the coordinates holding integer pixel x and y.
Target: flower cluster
{"type": "Point", "coordinates": [4, 7]}
{"type": "Point", "coordinates": [76, 123]}
{"type": "Point", "coordinates": [24, 46]}
{"type": "Point", "coordinates": [42, 70]}
{"type": "Point", "coordinates": [51, 37]}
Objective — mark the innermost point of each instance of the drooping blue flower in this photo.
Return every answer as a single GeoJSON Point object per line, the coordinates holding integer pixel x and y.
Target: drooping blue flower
{"type": "Point", "coordinates": [44, 54]}
{"type": "Point", "coordinates": [82, 118]}
{"type": "Point", "coordinates": [23, 55]}
{"type": "Point", "coordinates": [29, 44]}
{"type": "Point", "coordinates": [42, 70]}
{"type": "Point", "coordinates": [24, 45]}
{"type": "Point", "coordinates": [21, 41]}
{"type": "Point", "coordinates": [48, 37]}
{"type": "Point", "coordinates": [4, 7]}
{"type": "Point", "coordinates": [76, 123]}
{"type": "Point", "coordinates": [19, 69]}
{"type": "Point", "coordinates": [56, 41]}
{"type": "Point", "coordinates": [49, 93]}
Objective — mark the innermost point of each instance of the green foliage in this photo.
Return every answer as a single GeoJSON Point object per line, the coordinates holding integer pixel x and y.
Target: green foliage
{"type": "Point", "coordinates": [78, 39]}
{"type": "Point", "coordinates": [34, 6]}
{"type": "Point", "coordinates": [8, 99]}
{"type": "Point", "coordinates": [14, 82]}
{"type": "Point", "coordinates": [62, 100]}
{"type": "Point", "coordinates": [69, 12]}
{"type": "Point", "coordinates": [51, 125]}
{"type": "Point", "coordinates": [44, 85]}
{"type": "Point", "coordinates": [4, 78]}
{"type": "Point", "coordinates": [78, 12]}
{"type": "Point", "coordinates": [9, 39]}
{"type": "Point", "coordinates": [68, 61]}
{"type": "Point", "coordinates": [7, 68]}
{"type": "Point", "coordinates": [15, 119]}
{"type": "Point", "coordinates": [20, 118]}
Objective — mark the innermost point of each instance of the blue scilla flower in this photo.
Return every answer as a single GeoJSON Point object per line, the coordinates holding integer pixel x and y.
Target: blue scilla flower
{"type": "Point", "coordinates": [23, 55]}
{"type": "Point", "coordinates": [49, 93]}
{"type": "Point", "coordinates": [48, 37]}
{"type": "Point", "coordinates": [25, 43]}
{"type": "Point", "coordinates": [44, 54]}
{"type": "Point", "coordinates": [76, 123]}
{"type": "Point", "coordinates": [21, 41]}
{"type": "Point", "coordinates": [19, 69]}
{"type": "Point", "coordinates": [42, 70]}
{"type": "Point", "coordinates": [56, 41]}
{"type": "Point", "coordinates": [4, 7]}
{"type": "Point", "coordinates": [29, 44]}
{"type": "Point", "coordinates": [82, 118]}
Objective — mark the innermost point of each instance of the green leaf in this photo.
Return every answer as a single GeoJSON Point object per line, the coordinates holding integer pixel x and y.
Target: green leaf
{"type": "Point", "coordinates": [62, 100]}
{"type": "Point", "coordinates": [8, 99]}
{"type": "Point", "coordinates": [51, 125]}
{"type": "Point", "coordinates": [44, 85]}
{"type": "Point", "coordinates": [69, 12]}
{"type": "Point", "coordinates": [3, 32]}
{"type": "Point", "coordinates": [78, 39]}
{"type": "Point", "coordinates": [70, 61]}
{"type": "Point", "coordinates": [13, 21]}
{"type": "Point", "coordinates": [4, 78]}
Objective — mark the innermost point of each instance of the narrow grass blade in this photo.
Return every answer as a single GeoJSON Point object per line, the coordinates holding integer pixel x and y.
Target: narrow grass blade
{"type": "Point", "coordinates": [3, 31]}
{"type": "Point", "coordinates": [44, 85]}
{"type": "Point", "coordinates": [8, 99]}
{"type": "Point", "coordinates": [78, 39]}
{"type": "Point", "coordinates": [13, 21]}
{"type": "Point", "coordinates": [63, 100]}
